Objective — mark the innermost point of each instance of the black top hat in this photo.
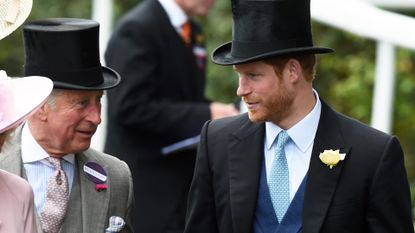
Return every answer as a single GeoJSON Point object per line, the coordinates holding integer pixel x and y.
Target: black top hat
{"type": "Point", "coordinates": [267, 28]}
{"type": "Point", "coordinates": [67, 51]}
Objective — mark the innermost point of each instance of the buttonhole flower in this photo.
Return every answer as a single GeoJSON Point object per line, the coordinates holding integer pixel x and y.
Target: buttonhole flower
{"type": "Point", "coordinates": [331, 157]}
{"type": "Point", "coordinates": [100, 187]}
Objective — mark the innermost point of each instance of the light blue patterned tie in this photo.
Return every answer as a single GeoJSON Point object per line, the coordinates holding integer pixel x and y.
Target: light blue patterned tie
{"type": "Point", "coordinates": [279, 183]}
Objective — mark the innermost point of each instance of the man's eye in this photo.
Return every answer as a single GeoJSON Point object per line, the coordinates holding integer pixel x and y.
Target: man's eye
{"type": "Point", "coordinates": [253, 76]}
{"type": "Point", "coordinates": [83, 103]}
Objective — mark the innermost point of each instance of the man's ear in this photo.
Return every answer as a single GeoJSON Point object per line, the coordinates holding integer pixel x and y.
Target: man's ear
{"type": "Point", "coordinates": [294, 69]}
{"type": "Point", "coordinates": [41, 113]}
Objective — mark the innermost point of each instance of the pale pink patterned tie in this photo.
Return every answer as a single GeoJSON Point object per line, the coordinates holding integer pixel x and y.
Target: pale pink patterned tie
{"type": "Point", "coordinates": [56, 199]}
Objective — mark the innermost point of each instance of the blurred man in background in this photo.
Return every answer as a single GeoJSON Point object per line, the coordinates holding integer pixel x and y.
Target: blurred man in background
{"type": "Point", "coordinates": [158, 49]}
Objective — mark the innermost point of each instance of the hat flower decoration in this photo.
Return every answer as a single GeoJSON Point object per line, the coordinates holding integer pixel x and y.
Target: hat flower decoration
{"type": "Point", "coordinates": [331, 157]}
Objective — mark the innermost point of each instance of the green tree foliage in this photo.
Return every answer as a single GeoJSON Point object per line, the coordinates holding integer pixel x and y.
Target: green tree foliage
{"type": "Point", "coordinates": [344, 79]}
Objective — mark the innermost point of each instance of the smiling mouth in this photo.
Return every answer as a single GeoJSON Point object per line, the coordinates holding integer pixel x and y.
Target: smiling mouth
{"type": "Point", "coordinates": [87, 133]}
{"type": "Point", "coordinates": [251, 104]}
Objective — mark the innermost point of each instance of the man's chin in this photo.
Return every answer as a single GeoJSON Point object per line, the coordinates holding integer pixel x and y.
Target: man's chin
{"type": "Point", "coordinates": [83, 146]}
{"type": "Point", "coordinates": [255, 118]}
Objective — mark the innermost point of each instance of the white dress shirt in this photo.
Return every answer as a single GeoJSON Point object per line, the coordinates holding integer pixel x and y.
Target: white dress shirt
{"type": "Point", "coordinates": [175, 13]}
{"type": "Point", "coordinates": [39, 170]}
{"type": "Point", "coordinates": [298, 148]}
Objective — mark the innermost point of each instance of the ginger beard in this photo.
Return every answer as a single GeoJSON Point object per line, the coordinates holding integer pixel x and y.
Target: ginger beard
{"type": "Point", "coordinates": [273, 108]}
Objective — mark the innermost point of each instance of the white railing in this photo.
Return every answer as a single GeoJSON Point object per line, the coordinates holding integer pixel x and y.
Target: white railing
{"type": "Point", "coordinates": [102, 11]}
{"type": "Point", "coordinates": [363, 18]}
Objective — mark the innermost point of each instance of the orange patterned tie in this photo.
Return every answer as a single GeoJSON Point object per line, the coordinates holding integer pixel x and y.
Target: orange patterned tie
{"type": "Point", "coordinates": [186, 33]}
{"type": "Point", "coordinates": [56, 199]}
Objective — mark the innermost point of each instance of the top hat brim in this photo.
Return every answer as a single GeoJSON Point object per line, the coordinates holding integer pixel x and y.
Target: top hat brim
{"type": "Point", "coordinates": [110, 80]}
{"type": "Point", "coordinates": [222, 54]}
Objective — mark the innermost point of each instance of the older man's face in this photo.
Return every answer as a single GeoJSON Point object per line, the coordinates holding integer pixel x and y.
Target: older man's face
{"type": "Point", "coordinates": [72, 121]}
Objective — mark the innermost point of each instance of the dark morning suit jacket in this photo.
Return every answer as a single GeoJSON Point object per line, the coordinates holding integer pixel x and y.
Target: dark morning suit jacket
{"type": "Point", "coordinates": [159, 101]}
{"type": "Point", "coordinates": [88, 210]}
{"type": "Point", "coordinates": [368, 192]}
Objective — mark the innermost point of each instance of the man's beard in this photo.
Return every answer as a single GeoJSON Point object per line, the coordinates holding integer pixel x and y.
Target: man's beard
{"type": "Point", "coordinates": [274, 109]}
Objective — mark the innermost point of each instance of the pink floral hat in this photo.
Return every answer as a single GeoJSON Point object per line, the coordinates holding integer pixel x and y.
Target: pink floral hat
{"type": "Point", "coordinates": [19, 97]}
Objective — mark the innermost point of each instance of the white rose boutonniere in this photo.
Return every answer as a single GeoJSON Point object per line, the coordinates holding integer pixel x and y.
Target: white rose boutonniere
{"type": "Point", "coordinates": [331, 157]}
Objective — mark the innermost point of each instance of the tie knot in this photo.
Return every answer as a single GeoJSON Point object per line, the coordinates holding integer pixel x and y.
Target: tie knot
{"type": "Point", "coordinates": [57, 163]}
{"type": "Point", "coordinates": [282, 139]}
{"type": "Point", "coordinates": [186, 24]}
{"type": "Point", "coordinates": [186, 32]}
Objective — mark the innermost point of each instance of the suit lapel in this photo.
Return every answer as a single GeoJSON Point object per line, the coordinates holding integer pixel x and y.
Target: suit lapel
{"type": "Point", "coordinates": [94, 204]}
{"type": "Point", "coordinates": [245, 156]}
{"type": "Point", "coordinates": [322, 181]}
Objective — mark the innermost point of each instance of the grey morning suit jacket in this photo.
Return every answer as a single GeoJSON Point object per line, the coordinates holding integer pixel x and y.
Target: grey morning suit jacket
{"type": "Point", "coordinates": [88, 210]}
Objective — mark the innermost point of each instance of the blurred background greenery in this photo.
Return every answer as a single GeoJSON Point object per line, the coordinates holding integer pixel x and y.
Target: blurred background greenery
{"type": "Point", "coordinates": [344, 79]}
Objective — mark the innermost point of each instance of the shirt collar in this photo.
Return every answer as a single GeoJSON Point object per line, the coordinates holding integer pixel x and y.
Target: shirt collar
{"type": "Point", "coordinates": [174, 12]}
{"type": "Point", "coordinates": [32, 151]}
{"type": "Point", "coordinates": [302, 133]}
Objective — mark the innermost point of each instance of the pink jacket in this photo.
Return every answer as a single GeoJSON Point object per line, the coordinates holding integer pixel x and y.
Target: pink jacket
{"type": "Point", "coordinates": [16, 205]}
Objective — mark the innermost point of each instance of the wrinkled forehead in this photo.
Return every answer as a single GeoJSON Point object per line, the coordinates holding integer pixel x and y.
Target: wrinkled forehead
{"type": "Point", "coordinates": [66, 95]}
